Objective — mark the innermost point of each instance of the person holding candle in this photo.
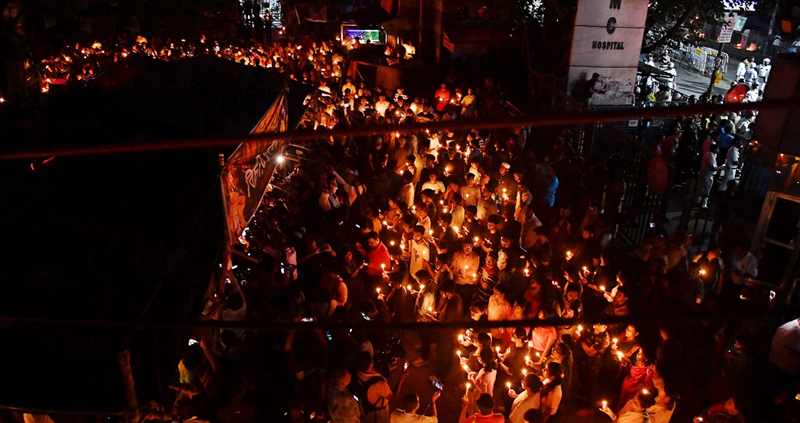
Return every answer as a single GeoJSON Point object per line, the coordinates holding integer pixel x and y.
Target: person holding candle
{"type": "Point", "coordinates": [377, 254]}
{"type": "Point", "coordinates": [489, 275]}
{"type": "Point", "coordinates": [593, 344]}
{"type": "Point", "coordinates": [434, 184]}
{"type": "Point", "coordinates": [410, 406]}
{"type": "Point", "coordinates": [423, 218]}
{"type": "Point", "coordinates": [640, 377]}
{"type": "Point", "coordinates": [419, 253]}
{"type": "Point", "coordinates": [543, 337]}
{"type": "Point", "coordinates": [641, 409]}
{"type": "Point", "coordinates": [426, 301]}
{"type": "Point", "coordinates": [529, 398]}
{"type": "Point", "coordinates": [485, 377]}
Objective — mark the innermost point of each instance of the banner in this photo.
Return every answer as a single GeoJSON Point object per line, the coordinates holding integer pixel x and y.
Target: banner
{"type": "Point", "coordinates": [607, 40]}
{"type": "Point", "coordinates": [248, 171]}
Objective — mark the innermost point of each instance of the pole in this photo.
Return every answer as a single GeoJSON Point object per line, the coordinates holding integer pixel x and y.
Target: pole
{"type": "Point", "coordinates": [716, 69]}
{"type": "Point", "coordinates": [124, 359]}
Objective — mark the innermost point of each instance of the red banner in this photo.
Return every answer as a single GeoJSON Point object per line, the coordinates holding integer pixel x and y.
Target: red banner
{"type": "Point", "coordinates": [248, 171]}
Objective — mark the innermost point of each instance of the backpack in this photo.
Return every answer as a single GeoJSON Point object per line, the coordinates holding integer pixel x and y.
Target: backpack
{"type": "Point", "coordinates": [360, 389]}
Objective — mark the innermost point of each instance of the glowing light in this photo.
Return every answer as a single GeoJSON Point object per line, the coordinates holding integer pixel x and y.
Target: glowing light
{"type": "Point", "coordinates": [458, 353]}
{"type": "Point", "coordinates": [524, 372]}
{"type": "Point", "coordinates": [378, 290]}
{"type": "Point", "coordinates": [645, 391]}
{"type": "Point", "coordinates": [391, 243]}
{"type": "Point", "coordinates": [703, 272]}
{"type": "Point", "coordinates": [280, 159]}
{"type": "Point", "coordinates": [508, 385]}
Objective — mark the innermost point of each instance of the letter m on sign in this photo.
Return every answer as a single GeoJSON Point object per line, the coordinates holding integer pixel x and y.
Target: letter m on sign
{"type": "Point", "coordinates": [615, 4]}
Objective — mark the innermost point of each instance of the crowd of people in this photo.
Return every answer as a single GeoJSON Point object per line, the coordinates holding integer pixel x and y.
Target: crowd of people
{"type": "Point", "coordinates": [466, 226]}
{"type": "Point", "coordinates": [472, 226]}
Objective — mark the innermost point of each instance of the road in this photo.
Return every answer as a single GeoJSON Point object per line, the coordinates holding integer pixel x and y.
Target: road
{"type": "Point", "coordinates": [693, 83]}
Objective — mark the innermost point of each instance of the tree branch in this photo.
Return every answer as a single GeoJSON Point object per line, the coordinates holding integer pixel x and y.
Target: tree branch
{"type": "Point", "coordinates": [672, 31]}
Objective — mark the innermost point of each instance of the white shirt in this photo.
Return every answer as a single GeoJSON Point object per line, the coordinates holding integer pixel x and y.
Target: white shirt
{"type": "Point", "coordinates": [420, 253]}
{"type": "Point", "coordinates": [524, 402]}
{"type": "Point", "coordinates": [709, 165]}
{"type": "Point", "coordinates": [458, 218]}
{"type": "Point", "coordinates": [407, 194]}
{"type": "Point", "coordinates": [785, 351]}
{"type": "Point", "coordinates": [381, 107]}
{"type": "Point", "coordinates": [437, 187]}
{"type": "Point", "coordinates": [732, 158]}
{"type": "Point", "coordinates": [740, 70]}
{"type": "Point", "coordinates": [399, 416]}
{"type": "Point", "coordinates": [485, 381]}
{"type": "Point", "coordinates": [553, 399]}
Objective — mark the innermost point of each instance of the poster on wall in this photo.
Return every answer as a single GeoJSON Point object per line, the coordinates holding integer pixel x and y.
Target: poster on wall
{"type": "Point", "coordinates": [607, 40]}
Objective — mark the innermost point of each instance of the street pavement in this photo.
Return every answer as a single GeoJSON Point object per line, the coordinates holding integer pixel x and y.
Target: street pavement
{"type": "Point", "coordinates": [694, 83]}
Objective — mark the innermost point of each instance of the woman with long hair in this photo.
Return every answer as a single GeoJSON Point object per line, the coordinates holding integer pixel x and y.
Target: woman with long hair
{"type": "Point", "coordinates": [485, 377]}
{"type": "Point", "coordinates": [551, 390]}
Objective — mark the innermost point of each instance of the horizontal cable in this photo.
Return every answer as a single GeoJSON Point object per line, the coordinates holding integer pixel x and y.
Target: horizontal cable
{"type": "Point", "coordinates": [674, 317]}
{"type": "Point", "coordinates": [565, 118]}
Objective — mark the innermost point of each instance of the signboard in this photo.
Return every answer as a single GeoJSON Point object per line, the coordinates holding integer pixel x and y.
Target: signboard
{"type": "Point", "coordinates": [726, 32]}
{"type": "Point", "coordinates": [447, 43]}
{"type": "Point", "coordinates": [373, 35]}
{"type": "Point", "coordinates": [607, 40]}
{"type": "Point", "coordinates": [740, 21]}
{"type": "Point", "coordinates": [739, 5]}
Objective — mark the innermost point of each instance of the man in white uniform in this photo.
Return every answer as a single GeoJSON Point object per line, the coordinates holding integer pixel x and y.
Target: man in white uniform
{"type": "Point", "coordinates": [732, 164]}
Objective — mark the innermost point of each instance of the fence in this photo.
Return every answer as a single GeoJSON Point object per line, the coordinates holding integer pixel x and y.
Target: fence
{"type": "Point", "coordinates": [616, 143]}
{"type": "Point", "coordinates": [699, 59]}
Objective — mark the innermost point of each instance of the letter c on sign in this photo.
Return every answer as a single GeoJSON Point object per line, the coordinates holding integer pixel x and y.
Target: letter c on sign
{"type": "Point", "coordinates": [611, 26]}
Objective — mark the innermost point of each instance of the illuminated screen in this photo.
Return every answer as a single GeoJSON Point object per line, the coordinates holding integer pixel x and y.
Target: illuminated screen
{"type": "Point", "coordinates": [374, 35]}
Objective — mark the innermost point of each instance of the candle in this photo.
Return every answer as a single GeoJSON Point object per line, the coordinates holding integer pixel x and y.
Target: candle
{"type": "Point", "coordinates": [645, 391]}
{"type": "Point", "coordinates": [585, 269]}
{"type": "Point", "coordinates": [403, 246]}
{"type": "Point", "coordinates": [526, 271]}
{"type": "Point", "coordinates": [468, 386]}
{"type": "Point", "coordinates": [378, 290]}
{"type": "Point", "coordinates": [430, 309]}
{"type": "Point", "coordinates": [569, 255]}
{"type": "Point", "coordinates": [421, 287]}
{"type": "Point", "coordinates": [539, 355]}
{"type": "Point", "coordinates": [703, 272]}
{"type": "Point", "coordinates": [497, 350]}
{"type": "Point", "coordinates": [460, 339]}
{"type": "Point", "coordinates": [409, 287]}
{"type": "Point", "coordinates": [385, 223]}
{"type": "Point", "coordinates": [508, 385]}
{"type": "Point", "coordinates": [602, 288]}
{"type": "Point", "coordinates": [391, 243]}
{"type": "Point", "coordinates": [615, 340]}
{"type": "Point", "coordinates": [605, 403]}
{"type": "Point", "coordinates": [530, 344]}
{"type": "Point", "coordinates": [431, 232]}
{"type": "Point", "coordinates": [458, 353]}
{"type": "Point", "coordinates": [383, 266]}
{"type": "Point", "coordinates": [620, 355]}
{"type": "Point", "coordinates": [466, 369]}
{"type": "Point", "coordinates": [527, 358]}
{"type": "Point", "coordinates": [524, 372]}
{"type": "Point", "coordinates": [476, 239]}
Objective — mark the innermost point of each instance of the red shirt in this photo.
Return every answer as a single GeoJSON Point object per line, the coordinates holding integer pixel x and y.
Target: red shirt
{"type": "Point", "coordinates": [379, 255]}
{"type": "Point", "coordinates": [442, 98]}
{"type": "Point", "coordinates": [480, 418]}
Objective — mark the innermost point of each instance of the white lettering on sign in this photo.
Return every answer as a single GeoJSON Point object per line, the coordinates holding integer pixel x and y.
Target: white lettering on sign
{"type": "Point", "coordinates": [606, 40]}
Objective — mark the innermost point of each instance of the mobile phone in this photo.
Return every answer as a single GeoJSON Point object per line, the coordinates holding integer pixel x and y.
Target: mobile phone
{"type": "Point", "coordinates": [308, 319]}
{"type": "Point", "coordinates": [328, 335]}
{"type": "Point", "coordinates": [405, 366]}
{"type": "Point", "coordinates": [652, 225]}
{"type": "Point", "coordinates": [771, 295]}
{"type": "Point", "coordinates": [193, 342]}
{"type": "Point", "coordinates": [438, 385]}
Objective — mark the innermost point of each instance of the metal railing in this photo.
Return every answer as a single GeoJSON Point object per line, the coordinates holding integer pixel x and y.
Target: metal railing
{"type": "Point", "coordinates": [616, 143]}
